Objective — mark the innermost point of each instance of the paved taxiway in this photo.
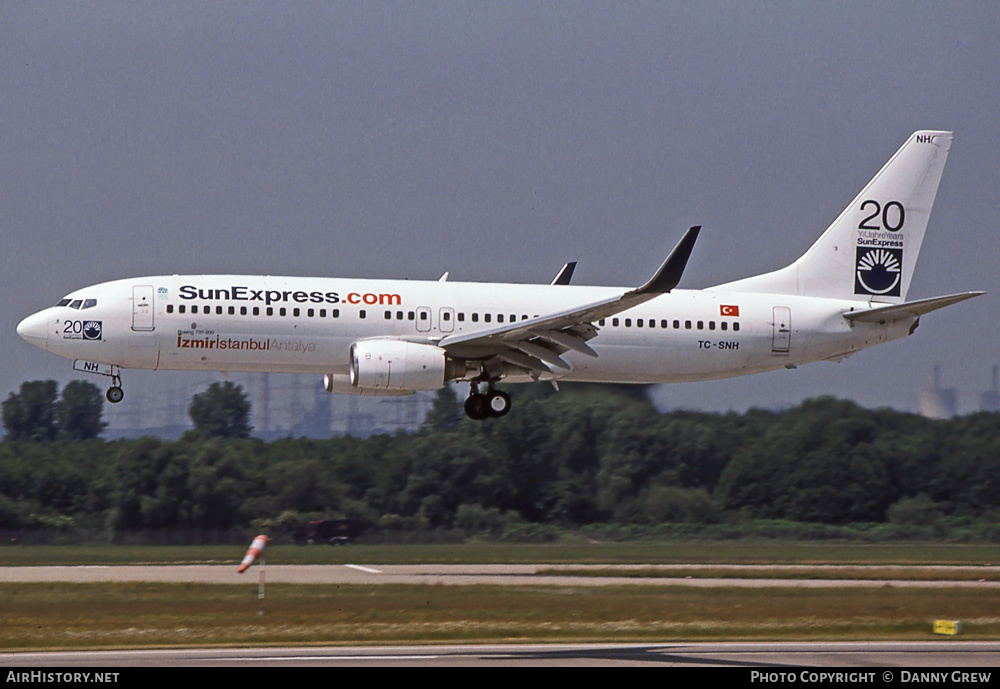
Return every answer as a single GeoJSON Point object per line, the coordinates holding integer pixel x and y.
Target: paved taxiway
{"type": "Point", "coordinates": [506, 575]}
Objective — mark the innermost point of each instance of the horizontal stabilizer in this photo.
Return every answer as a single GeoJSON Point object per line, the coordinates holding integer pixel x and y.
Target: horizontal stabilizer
{"type": "Point", "coordinates": [911, 309]}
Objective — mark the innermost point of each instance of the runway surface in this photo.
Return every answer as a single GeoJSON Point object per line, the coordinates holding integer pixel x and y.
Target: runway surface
{"type": "Point", "coordinates": [506, 575]}
{"type": "Point", "coordinates": [879, 661]}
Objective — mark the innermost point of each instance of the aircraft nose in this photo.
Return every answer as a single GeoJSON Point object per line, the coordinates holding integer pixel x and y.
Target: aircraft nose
{"type": "Point", "coordinates": [35, 329]}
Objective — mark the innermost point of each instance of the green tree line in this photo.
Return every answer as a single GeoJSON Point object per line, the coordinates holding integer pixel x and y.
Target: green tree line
{"type": "Point", "coordinates": [585, 455]}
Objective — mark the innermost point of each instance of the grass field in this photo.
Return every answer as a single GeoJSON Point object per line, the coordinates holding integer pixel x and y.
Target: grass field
{"type": "Point", "coordinates": [38, 616]}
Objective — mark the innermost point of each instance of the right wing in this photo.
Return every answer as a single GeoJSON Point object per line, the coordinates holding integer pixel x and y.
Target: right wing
{"type": "Point", "coordinates": [536, 343]}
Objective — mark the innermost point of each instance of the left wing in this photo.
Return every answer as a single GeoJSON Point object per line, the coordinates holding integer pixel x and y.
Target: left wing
{"type": "Point", "coordinates": [536, 343]}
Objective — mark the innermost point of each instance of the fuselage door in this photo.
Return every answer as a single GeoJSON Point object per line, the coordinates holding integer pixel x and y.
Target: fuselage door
{"type": "Point", "coordinates": [423, 319]}
{"type": "Point", "coordinates": [142, 308]}
{"type": "Point", "coordinates": [446, 319]}
{"type": "Point", "coordinates": [781, 338]}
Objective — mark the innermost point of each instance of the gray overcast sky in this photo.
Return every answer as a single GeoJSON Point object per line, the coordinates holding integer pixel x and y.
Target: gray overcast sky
{"type": "Point", "coordinates": [496, 141]}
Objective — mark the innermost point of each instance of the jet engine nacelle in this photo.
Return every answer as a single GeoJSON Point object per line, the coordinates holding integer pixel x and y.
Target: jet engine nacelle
{"type": "Point", "coordinates": [397, 365]}
{"type": "Point", "coordinates": [340, 384]}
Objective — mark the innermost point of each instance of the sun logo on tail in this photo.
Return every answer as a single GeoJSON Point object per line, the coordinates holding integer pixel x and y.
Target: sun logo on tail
{"type": "Point", "coordinates": [879, 271]}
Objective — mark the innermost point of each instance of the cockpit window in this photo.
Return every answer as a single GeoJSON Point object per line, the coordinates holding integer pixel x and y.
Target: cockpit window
{"type": "Point", "coordinates": [75, 304]}
{"type": "Point", "coordinates": [63, 302]}
{"type": "Point", "coordinates": [89, 303]}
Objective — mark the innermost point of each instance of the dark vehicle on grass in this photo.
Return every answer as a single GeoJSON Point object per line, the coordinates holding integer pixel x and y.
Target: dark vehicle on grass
{"type": "Point", "coordinates": [331, 531]}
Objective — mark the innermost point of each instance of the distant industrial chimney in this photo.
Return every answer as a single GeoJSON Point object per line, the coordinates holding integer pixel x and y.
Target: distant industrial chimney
{"type": "Point", "coordinates": [938, 403]}
{"type": "Point", "coordinates": [990, 400]}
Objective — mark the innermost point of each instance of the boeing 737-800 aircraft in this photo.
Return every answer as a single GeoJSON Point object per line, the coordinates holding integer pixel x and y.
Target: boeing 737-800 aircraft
{"type": "Point", "coordinates": [394, 337]}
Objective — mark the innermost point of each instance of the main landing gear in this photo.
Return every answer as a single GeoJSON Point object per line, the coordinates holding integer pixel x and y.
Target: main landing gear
{"type": "Point", "coordinates": [493, 404]}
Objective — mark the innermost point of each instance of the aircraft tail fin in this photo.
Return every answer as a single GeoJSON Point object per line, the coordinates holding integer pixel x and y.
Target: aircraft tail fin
{"type": "Point", "coordinates": [870, 250]}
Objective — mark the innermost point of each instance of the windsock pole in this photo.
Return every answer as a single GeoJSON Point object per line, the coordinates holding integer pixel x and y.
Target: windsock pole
{"type": "Point", "coordinates": [260, 579]}
{"type": "Point", "coordinates": [256, 548]}
{"type": "Point", "coordinates": [260, 585]}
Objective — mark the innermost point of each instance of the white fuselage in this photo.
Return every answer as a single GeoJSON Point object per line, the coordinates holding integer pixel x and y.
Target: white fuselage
{"type": "Point", "coordinates": [307, 325]}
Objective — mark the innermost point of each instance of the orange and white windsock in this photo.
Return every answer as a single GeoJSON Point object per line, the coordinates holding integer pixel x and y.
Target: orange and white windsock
{"type": "Point", "coordinates": [256, 548]}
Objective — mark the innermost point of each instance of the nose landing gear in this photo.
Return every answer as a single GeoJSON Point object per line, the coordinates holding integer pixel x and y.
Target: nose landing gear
{"type": "Point", "coordinates": [115, 394]}
{"type": "Point", "coordinates": [493, 404]}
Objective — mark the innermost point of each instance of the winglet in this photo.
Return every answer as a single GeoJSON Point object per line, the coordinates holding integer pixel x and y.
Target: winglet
{"type": "Point", "coordinates": [565, 274]}
{"type": "Point", "coordinates": [669, 274]}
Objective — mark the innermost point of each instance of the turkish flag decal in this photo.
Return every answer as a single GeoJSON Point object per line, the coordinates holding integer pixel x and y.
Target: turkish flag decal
{"type": "Point", "coordinates": [726, 310]}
